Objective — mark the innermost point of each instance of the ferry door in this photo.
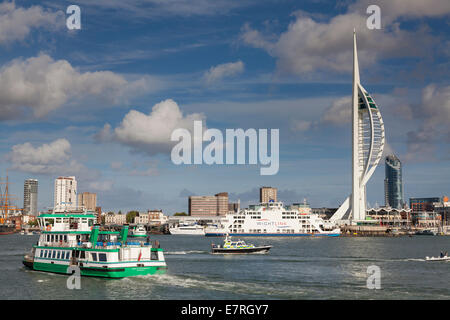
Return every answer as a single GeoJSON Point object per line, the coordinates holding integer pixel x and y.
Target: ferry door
{"type": "Point", "coordinates": [73, 259]}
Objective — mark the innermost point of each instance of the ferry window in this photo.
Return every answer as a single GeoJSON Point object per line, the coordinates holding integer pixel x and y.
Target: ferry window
{"type": "Point", "coordinates": [154, 255]}
{"type": "Point", "coordinates": [67, 254]}
{"type": "Point", "coordinates": [58, 220]}
{"type": "Point", "coordinates": [82, 255]}
{"type": "Point", "coordinates": [41, 253]}
{"type": "Point", "coordinates": [58, 256]}
{"type": "Point", "coordinates": [102, 257]}
{"type": "Point", "coordinates": [53, 254]}
{"type": "Point", "coordinates": [52, 238]}
{"type": "Point", "coordinates": [66, 220]}
{"type": "Point", "coordinates": [94, 256]}
{"type": "Point", "coordinates": [90, 222]}
{"type": "Point", "coordinates": [65, 238]}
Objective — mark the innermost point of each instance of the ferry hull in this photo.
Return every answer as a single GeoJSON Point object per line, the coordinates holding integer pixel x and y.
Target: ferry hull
{"type": "Point", "coordinates": [273, 234]}
{"type": "Point", "coordinates": [97, 272]}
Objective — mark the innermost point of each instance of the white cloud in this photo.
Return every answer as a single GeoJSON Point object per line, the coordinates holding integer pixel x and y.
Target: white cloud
{"type": "Point", "coordinates": [223, 70]}
{"type": "Point", "coordinates": [17, 23]}
{"type": "Point", "coordinates": [340, 112]}
{"type": "Point", "coordinates": [101, 185]}
{"type": "Point", "coordinates": [43, 84]}
{"type": "Point", "coordinates": [434, 114]}
{"type": "Point", "coordinates": [301, 125]}
{"type": "Point", "coordinates": [310, 45]}
{"type": "Point", "coordinates": [151, 132]}
{"type": "Point", "coordinates": [47, 158]}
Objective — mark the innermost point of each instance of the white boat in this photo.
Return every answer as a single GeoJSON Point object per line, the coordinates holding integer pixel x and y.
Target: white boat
{"type": "Point", "coordinates": [188, 229]}
{"type": "Point", "coordinates": [273, 219]}
{"type": "Point", "coordinates": [139, 231]}
{"type": "Point", "coordinates": [442, 257]}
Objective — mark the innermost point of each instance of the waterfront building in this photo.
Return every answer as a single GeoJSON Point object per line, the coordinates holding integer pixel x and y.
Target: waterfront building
{"type": "Point", "coordinates": [65, 194]}
{"type": "Point", "coordinates": [87, 200]}
{"type": "Point", "coordinates": [368, 139]}
{"type": "Point", "coordinates": [393, 185]}
{"type": "Point", "coordinates": [216, 205]}
{"type": "Point", "coordinates": [267, 194]}
{"type": "Point", "coordinates": [423, 204]}
{"type": "Point", "coordinates": [30, 197]}
{"type": "Point", "coordinates": [115, 219]}
{"type": "Point", "coordinates": [391, 217]}
{"type": "Point", "coordinates": [234, 206]}
{"type": "Point", "coordinates": [98, 211]}
{"type": "Point", "coordinates": [443, 209]}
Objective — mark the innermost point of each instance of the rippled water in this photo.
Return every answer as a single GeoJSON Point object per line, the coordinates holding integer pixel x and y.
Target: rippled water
{"type": "Point", "coordinates": [296, 268]}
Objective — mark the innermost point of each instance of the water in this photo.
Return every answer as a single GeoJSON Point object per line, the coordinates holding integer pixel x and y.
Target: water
{"type": "Point", "coordinates": [295, 268]}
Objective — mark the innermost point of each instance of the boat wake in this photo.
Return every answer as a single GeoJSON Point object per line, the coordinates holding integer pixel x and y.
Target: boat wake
{"type": "Point", "coordinates": [204, 284]}
{"type": "Point", "coordinates": [185, 252]}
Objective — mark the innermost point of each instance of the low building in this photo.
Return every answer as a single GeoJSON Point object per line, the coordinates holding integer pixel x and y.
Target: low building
{"type": "Point", "coordinates": [391, 217]}
{"type": "Point", "coordinates": [115, 219]}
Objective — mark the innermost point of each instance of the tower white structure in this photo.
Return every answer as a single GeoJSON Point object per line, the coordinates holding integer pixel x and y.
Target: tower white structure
{"type": "Point", "coordinates": [367, 146]}
{"type": "Point", "coordinates": [65, 194]}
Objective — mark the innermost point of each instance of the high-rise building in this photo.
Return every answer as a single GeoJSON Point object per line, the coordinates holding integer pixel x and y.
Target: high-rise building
{"type": "Point", "coordinates": [65, 194]}
{"type": "Point", "coordinates": [368, 139]}
{"type": "Point", "coordinates": [216, 205]}
{"type": "Point", "coordinates": [30, 196]}
{"type": "Point", "coordinates": [393, 186]}
{"type": "Point", "coordinates": [87, 200]}
{"type": "Point", "coordinates": [267, 193]}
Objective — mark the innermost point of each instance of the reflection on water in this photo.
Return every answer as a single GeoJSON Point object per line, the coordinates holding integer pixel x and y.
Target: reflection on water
{"type": "Point", "coordinates": [295, 268]}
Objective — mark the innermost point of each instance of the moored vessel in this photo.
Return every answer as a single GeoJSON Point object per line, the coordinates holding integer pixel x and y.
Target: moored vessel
{"type": "Point", "coordinates": [188, 229]}
{"type": "Point", "coordinates": [139, 232]}
{"type": "Point", "coordinates": [273, 219]}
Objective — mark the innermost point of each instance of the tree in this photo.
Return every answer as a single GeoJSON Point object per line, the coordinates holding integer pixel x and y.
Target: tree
{"type": "Point", "coordinates": [180, 214]}
{"type": "Point", "coordinates": [131, 215]}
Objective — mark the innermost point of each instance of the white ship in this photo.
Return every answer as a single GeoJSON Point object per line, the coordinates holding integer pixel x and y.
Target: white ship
{"type": "Point", "coordinates": [273, 219]}
{"type": "Point", "coordinates": [189, 229]}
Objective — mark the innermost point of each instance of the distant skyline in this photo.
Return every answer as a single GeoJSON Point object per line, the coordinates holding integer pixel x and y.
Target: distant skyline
{"type": "Point", "coordinates": [100, 103]}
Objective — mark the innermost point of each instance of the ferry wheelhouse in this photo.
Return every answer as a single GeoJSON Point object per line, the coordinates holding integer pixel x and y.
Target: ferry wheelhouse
{"type": "Point", "coordinates": [274, 219]}
{"type": "Point", "coordinates": [73, 239]}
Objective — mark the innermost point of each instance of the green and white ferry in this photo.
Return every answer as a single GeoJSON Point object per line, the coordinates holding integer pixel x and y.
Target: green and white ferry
{"type": "Point", "coordinates": [74, 240]}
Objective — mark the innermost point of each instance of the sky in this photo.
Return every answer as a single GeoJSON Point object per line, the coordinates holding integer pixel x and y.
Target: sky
{"type": "Point", "coordinates": [101, 102]}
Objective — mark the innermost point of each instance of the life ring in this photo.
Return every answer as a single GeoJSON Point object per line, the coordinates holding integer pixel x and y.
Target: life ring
{"type": "Point", "coordinates": [49, 227]}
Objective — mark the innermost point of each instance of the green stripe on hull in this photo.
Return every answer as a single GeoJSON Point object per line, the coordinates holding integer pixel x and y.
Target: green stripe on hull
{"type": "Point", "coordinates": [50, 267]}
{"type": "Point", "coordinates": [123, 272]}
{"type": "Point", "coordinates": [102, 272]}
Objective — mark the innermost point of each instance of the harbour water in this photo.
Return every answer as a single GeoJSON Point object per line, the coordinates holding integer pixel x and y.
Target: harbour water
{"type": "Point", "coordinates": [295, 268]}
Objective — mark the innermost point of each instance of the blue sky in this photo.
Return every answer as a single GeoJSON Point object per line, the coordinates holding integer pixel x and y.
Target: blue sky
{"type": "Point", "coordinates": [79, 102]}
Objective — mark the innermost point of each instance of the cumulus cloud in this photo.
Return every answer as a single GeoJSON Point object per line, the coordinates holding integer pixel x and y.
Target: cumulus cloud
{"type": "Point", "coordinates": [17, 23]}
{"type": "Point", "coordinates": [300, 125]}
{"type": "Point", "coordinates": [311, 44]}
{"type": "Point", "coordinates": [151, 132]}
{"type": "Point", "coordinates": [42, 84]}
{"type": "Point", "coordinates": [48, 158]}
{"type": "Point", "coordinates": [223, 70]}
{"type": "Point", "coordinates": [434, 114]}
{"type": "Point", "coordinates": [340, 112]}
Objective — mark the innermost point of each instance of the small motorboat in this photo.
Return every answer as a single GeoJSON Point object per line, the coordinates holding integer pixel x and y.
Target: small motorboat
{"type": "Point", "coordinates": [442, 257]}
{"type": "Point", "coordinates": [139, 232]}
{"type": "Point", "coordinates": [237, 247]}
{"type": "Point", "coordinates": [426, 232]}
